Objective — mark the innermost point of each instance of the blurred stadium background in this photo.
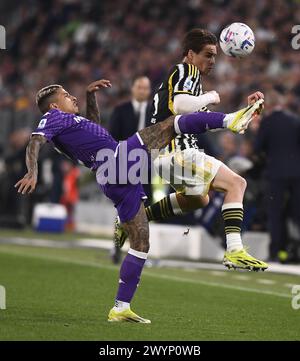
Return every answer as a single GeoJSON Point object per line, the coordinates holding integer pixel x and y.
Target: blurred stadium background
{"type": "Point", "coordinates": [72, 43]}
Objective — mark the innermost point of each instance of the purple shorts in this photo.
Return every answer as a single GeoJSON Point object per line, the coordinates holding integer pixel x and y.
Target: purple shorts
{"type": "Point", "coordinates": [125, 192]}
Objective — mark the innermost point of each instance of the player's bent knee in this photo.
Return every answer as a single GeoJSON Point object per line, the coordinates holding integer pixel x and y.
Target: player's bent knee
{"type": "Point", "coordinates": [236, 182]}
{"type": "Point", "coordinates": [242, 183]}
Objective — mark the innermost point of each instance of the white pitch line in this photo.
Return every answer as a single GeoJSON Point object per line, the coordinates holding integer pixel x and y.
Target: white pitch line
{"type": "Point", "coordinates": [107, 245]}
{"type": "Point", "coordinates": [289, 285]}
{"type": "Point", "coordinates": [191, 270]}
{"type": "Point", "coordinates": [265, 281]}
{"type": "Point", "coordinates": [241, 277]}
{"type": "Point", "coordinates": [221, 285]}
{"type": "Point", "coordinates": [218, 273]}
{"type": "Point", "coordinates": [153, 275]}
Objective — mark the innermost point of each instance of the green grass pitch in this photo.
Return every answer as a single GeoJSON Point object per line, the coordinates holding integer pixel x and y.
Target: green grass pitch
{"type": "Point", "coordinates": [65, 294]}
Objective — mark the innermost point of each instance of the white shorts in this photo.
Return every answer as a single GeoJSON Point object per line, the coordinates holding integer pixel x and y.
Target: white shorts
{"type": "Point", "coordinates": [189, 171]}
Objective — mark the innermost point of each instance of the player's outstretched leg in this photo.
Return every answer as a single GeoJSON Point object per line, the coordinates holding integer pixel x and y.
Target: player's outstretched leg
{"type": "Point", "coordinates": [160, 135]}
{"type": "Point", "coordinates": [131, 269]}
{"type": "Point", "coordinates": [237, 122]}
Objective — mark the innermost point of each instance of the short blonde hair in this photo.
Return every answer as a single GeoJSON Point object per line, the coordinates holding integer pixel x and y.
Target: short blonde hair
{"type": "Point", "coordinates": [42, 97]}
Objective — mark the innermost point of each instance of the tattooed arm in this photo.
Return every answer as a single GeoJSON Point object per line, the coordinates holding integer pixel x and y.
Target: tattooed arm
{"type": "Point", "coordinates": [28, 183]}
{"type": "Point", "coordinates": [92, 109]}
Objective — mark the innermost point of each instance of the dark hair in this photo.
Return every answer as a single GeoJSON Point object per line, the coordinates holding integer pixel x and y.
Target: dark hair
{"type": "Point", "coordinates": [196, 39]}
{"type": "Point", "coordinates": [44, 96]}
{"type": "Point", "coordinates": [138, 77]}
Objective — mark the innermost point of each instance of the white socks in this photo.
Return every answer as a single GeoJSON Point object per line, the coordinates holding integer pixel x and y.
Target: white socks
{"type": "Point", "coordinates": [228, 119]}
{"type": "Point", "coordinates": [121, 306]}
{"type": "Point", "coordinates": [233, 242]}
{"type": "Point", "coordinates": [175, 205]}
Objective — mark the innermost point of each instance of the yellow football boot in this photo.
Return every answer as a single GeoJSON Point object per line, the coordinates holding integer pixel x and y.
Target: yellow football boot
{"type": "Point", "coordinates": [120, 235]}
{"type": "Point", "coordinates": [243, 260]}
{"type": "Point", "coordinates": [125, 316]}
{"type": "Point", "coordinates": [242, 118]}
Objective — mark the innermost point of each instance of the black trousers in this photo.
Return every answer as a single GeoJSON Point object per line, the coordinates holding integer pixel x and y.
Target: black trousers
{"type": "Point", "coordinates": [283, 197]}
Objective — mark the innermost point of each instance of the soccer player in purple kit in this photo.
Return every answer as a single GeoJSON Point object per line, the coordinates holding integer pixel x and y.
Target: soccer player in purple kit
{"type": "Point", "coordinates": [83, 139]}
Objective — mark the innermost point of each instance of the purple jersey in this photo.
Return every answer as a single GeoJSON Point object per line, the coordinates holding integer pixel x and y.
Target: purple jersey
{"type": "Point", "coordinates": [75, 136]}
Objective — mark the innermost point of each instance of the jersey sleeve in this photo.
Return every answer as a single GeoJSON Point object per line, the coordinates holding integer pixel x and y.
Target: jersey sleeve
{"type": "Point", "coordinates": [50, 125]}
{"type": "Point", "coordinates": [185, 78]}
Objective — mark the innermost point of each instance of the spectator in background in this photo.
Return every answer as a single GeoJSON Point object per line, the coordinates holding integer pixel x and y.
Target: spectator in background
{"type": "Point", "coordinates": [229, 145]}
{"type": "Point", "coordinates": [129, 117]}
{"type": "Point", "coordinates": [13, 206]}
{"type": "Point", "coordinates": [16, 211]}
{"type": "Point", "coordinates": [278, 139]}
{"type": "Point", "coordinates": [71, 41]}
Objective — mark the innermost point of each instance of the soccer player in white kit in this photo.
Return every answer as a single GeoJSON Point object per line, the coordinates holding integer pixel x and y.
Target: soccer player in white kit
{"type": "Point", "coordinates": [183, 165]}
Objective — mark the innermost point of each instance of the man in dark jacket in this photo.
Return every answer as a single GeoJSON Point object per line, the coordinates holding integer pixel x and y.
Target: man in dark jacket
{"type": "Point", "coordinates": [129, 117]}
{"type": "Point", "coordinates": [279, 139]}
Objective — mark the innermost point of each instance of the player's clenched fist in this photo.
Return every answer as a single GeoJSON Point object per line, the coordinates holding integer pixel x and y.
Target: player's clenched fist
{"type": "Point", "coordinates": [212, 97]}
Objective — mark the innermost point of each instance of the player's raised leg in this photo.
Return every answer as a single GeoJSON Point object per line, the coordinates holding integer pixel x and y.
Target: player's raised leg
{"type": "Point", "coordinates": [159, 135]}
{"type": "Point", "coordinates": [131, 269]}
{"type": "Point", "coordinates": [234, 187]}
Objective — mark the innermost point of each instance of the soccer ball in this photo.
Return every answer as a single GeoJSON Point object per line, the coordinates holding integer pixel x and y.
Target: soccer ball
{"type": "Point", "coordinates": [237, 40]}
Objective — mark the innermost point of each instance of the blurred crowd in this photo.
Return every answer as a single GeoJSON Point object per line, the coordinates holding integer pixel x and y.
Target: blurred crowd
{"type": "Point", "coordinates": [74, 42]}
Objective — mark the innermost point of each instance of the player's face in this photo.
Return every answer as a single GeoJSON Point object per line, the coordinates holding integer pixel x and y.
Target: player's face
{"type": "Point", "coordinates": [65, 102]}
{"type": "Point", "coordinates": [205, 59]}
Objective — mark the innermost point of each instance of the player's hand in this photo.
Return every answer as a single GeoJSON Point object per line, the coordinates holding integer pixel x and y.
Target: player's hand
{"type": "Point", "coordinates": [252, 98]}
{"type": "Point", "coordinates": [96, 85]}
{"type": "Point", "coordinates": [27, 184]}
{"type": "Point", "coordinates": [213, 97]}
